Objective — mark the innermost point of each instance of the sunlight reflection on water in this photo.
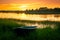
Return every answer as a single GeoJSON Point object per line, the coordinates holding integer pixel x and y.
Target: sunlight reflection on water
{"type": "Point", "coordinates": [34, 17]}
{"type": "Point", "coordinates": [39, 25]}
{"type": "Point", "coordinates": [23, 16]}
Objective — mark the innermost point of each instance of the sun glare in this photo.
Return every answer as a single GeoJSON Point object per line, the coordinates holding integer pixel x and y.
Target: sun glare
{"type": "Point", "coordinates": [23, 7]}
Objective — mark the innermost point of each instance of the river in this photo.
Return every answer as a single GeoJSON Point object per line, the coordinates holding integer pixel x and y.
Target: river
{"type": "Point", "coordinates": [34, 17]}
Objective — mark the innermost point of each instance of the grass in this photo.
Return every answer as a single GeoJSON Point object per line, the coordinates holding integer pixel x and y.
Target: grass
{"type": "Point", "coordinates": [7, 32]}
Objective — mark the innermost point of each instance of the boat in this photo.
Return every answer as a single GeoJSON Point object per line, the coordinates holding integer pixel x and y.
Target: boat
{"type": "Point", "coordinates": [25, 30]}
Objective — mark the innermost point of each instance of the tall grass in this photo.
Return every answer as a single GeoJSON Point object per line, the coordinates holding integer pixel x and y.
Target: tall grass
{"type": "Point", "coordinates": [7, 32]}
{"type": "Point", "coordinates": [6, 29]}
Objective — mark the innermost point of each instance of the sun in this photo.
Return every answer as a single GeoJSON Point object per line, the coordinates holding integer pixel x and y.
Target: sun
{"type": "Point", "coordinates": [23, 7]}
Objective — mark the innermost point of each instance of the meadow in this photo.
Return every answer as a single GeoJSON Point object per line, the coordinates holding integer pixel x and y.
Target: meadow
{"type": "Point", "coordinates": [7, 31]}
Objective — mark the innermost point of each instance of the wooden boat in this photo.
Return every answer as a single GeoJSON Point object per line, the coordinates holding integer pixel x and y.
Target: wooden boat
{"type": "Point", "coordinates": [24, 30]}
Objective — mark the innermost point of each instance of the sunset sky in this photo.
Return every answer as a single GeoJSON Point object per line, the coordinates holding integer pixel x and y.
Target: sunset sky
{"type": "Point", "coordinates": [27, 4]}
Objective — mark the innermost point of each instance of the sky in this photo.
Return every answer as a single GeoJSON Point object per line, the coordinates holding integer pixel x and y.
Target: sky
{"type": "Point", "coordinates": [27, 4]}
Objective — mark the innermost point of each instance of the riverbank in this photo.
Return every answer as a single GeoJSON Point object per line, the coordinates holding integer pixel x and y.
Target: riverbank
{"type": "Point", "coordinates": [7, 32]}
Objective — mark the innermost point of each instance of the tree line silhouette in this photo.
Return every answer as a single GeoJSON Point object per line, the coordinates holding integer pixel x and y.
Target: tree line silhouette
{"type": "Point", "coordinates": [44, 10]}
{"type": "Point", "coordinates": [41, 10]}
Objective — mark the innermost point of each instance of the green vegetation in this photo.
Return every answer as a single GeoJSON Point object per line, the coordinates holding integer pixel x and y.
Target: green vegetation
{"type": "Point", "coordinates": [7, 32]}
{"type": "Point", "coordinates": [6, 29]}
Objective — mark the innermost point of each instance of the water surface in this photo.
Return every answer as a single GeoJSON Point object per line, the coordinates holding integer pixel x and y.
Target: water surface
{"type": "Point", "coordinates": [34, 17]}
